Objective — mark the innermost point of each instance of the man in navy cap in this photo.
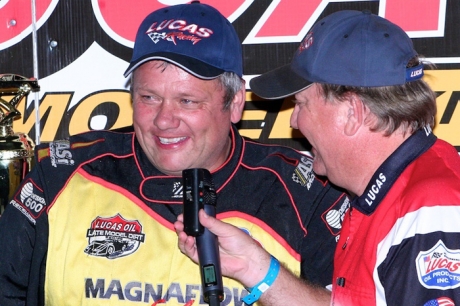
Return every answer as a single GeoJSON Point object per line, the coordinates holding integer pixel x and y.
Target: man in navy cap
{"type": "Point", "coordinates": [362, 104]}
{"type": "Point", "coordinates": [92, 224]}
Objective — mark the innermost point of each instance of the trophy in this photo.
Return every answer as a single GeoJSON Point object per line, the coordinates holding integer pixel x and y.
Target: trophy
{"type": "Point", "coordinates": [16, 149]}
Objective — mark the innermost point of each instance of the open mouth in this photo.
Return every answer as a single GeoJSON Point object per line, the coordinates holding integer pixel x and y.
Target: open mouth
{"type": "Point", "coordinates": [313, 152]}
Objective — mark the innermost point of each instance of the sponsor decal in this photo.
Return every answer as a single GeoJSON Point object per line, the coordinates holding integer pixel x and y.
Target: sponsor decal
{"type": "Point", "coordinates": [60, 153]}
{"type": "Point", "coordinates": [113, 237]}
{"type": "Point", "coordinates": [177, 190]}
{"type": "Point", "coordinates": [303, 174]}
{"type": "Point", "coordinates": [375, 188]}
{"type": "Point", "coordinates": [442, 301]}
{"type": "Point", "coordinates": [136, 291]}
{"type": "Point", "coordinates": [428, 130]}
{"type": "Point", "coordinates": [156, 37]}
{"type": "Point", "coordinates": [23, 211]}
{"type": "Point", "coordinates": [29, 200]}
{"type": "Point", "coordinates": [416, 73]}
{"type": "Point", "coordinates": [439, 267]}
{"type": "Point", "coordinates": [46, 152]}
{"type": "Point", "coordinates": [334, 216]}
{"type": "Point", "coordinates": [306, 43]}
{"type": "Point", "coordinates": [178, 28]}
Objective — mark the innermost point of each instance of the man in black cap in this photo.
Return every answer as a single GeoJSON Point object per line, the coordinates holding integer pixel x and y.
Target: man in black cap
{"type": "Point", "coordinates": [362, 104]}
{"type": "Point", "coordinates": [92, 224]}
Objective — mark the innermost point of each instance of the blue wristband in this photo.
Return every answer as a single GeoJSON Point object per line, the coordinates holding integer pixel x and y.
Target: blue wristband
{"type": "Point", "coordinates": [256, 291]}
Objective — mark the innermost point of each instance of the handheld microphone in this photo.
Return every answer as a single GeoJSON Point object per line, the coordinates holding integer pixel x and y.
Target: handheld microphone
{"type": "Point", "coordinates": [199, 193]}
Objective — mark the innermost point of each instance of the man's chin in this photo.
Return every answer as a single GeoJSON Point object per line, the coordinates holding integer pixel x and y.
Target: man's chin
{"type": "Point", "coordinates": [173, 169]}
{"type": "Point", "coordinates": [172, 172]}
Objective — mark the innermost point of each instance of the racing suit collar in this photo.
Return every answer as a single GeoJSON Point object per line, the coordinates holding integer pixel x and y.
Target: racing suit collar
{"type": "Point", "coordinates": [386, 175]}
{"type": "Point", "coordinates": [157, 187]}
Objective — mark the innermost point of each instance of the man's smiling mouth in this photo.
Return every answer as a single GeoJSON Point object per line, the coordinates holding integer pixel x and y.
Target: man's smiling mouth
{"type": "Point", "coordinates": [170, 140]}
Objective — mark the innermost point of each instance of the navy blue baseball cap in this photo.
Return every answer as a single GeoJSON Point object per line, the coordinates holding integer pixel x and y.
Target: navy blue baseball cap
{"type": "Point", "coordinates": [351, 48]}
{"type": "Point", "coordinates": [195, 36]}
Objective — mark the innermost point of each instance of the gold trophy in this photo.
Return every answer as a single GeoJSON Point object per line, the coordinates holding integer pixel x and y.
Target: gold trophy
{"type": "Point", "coordinates": [16, 149]}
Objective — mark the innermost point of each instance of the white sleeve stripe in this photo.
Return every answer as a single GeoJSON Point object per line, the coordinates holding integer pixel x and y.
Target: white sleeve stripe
{"type": "Point", "coordinates": [422, 221]}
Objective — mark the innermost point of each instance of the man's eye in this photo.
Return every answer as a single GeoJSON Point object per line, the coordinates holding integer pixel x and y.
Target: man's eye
{"type": "Point", "coordinates": [189, 102]}
{"type": "Point", "coordinates": [299, 103]}
{"type": "Point", "coordinates": [148, 99]}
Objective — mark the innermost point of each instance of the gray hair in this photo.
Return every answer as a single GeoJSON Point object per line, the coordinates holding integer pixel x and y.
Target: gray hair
{"type": "Point", "coordinates": [232, 83]}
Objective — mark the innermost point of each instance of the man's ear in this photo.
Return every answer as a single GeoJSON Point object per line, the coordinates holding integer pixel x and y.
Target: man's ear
{"type": "Point", "coordinates": [237, 105]}
{"type": "Point", "coordinates": [356, 113]}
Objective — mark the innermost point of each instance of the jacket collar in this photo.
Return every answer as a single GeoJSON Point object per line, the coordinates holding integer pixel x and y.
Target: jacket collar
{"type": "Point", "coordinates": [386, 175]}
{"type": "Point", "coordinates": [157, 187]}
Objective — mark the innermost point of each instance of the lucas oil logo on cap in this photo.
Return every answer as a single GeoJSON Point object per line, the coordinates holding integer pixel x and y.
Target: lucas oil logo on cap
{"type": "Point", "coordinates": [173, 30]}
{"type": "Point", "coordinates": [306, 43]}
{"type": "Point", "coordinates": [439, 267]}
{"type": "Point", "coordinates": [113, 237]}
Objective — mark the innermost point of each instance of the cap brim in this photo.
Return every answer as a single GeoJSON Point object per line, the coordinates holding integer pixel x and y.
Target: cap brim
{"type": "Point", "coordinates": [193, 66]}
{"type": "Point", "coordinates": [278, 83]}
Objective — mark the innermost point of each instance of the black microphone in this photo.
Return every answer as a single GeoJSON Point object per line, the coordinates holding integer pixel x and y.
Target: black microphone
{"type": "Point", "coordinates": [199, 193]}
